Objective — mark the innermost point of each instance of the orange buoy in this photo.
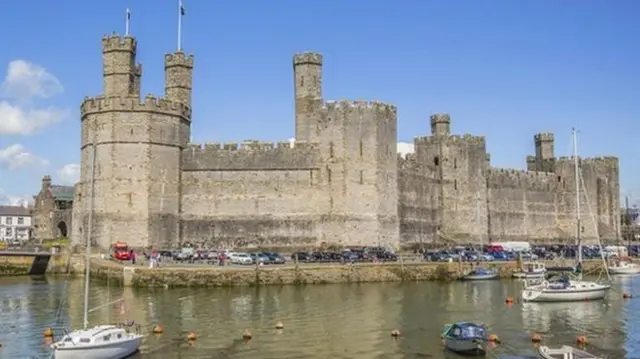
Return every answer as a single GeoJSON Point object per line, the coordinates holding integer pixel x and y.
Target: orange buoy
{"type": "Point", "coordinates": [279, 325]}
{"type": "Point", "coordinates": [395, 333]}
{"type": "Point", "coordinates": [627, 295]}
{"type": "Point", "coordinates": [246, 334]}
{"type": "Point", "coordinates": [494, 338]}
{"type": "Point", "coordinates": [48, 333]}
{"type": "Point", "coordinates": [509, 300]}
{"type": "Point", "coordinates": [192, 336]}
{"type": "Point", "coordinates": [582, 340]}
{"type": "Point", "coordinates": [536, 338]}
{"type": "Point", "coordinates": [158, 329]}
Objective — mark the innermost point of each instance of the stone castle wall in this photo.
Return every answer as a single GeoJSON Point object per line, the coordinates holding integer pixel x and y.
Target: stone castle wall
{"type": "Point", "coordinates": [341, 182]}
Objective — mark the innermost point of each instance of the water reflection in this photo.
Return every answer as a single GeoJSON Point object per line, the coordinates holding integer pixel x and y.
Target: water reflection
{"type": "Point", "coordinates": [338, 321]}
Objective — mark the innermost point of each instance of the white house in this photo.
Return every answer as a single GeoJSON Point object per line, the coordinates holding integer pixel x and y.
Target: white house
{"type": "Point", "coordinates": [15, 223]}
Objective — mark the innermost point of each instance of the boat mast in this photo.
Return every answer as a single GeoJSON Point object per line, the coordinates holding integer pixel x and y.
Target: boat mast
{"type": "Point", "coordinates": [577, 179]}
{"type": "Point", "coordinates": [89, 230]}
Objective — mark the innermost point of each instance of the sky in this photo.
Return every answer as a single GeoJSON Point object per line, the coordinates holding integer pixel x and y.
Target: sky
{"type": "Point", "coordinates": [502, 69]}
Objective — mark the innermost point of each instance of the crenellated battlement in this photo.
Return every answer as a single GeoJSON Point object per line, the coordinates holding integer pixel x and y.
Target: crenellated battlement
{"type": "Point", "coordinates": [251, 155]}
{"type": "Point", "coordinates": [543, 137]}
{"type": "Point", "coordinates": [307, 58]}
{"type": "Point", "coordinates": [115, 42]}
{"type": "Point", "coordinates": [440, 118]}
{"type": "Point", "coordinates": [92, 105]}
{"type": "Point", "coordinates": [604, 159]}
{"type": "Point", "coordinates": [387, 110]}
{"type": "Point", "coordinates": [178, 59]}
{"type": "Point", "coordinates": [527, 180]}
{"type": "Point", "coordinates": [467, 139]}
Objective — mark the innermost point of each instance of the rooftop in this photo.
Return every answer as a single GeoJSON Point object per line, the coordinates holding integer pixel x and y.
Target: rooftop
{"type": "Point", "coordinates": [62, 193]}
{"type": "Point", "coordinates": [14, 211]}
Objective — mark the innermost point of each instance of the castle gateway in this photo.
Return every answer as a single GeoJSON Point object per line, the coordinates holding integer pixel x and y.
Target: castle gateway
{"type": "Point", "coordinates": [340, 183]}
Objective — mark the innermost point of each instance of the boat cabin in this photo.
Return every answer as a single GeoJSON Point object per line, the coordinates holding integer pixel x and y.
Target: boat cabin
{"type": "Point", "coordinates": [100, 335]}
{"type": "Point", "coordinates": [467, 331]}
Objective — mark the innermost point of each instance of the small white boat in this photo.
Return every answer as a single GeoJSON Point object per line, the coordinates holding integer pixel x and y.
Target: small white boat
{"type": "Point", "coordinates": [100, 342]}
{"type": "Point", "coordinates": [624, 267]}
{"type": "Point", "coordinates": [563, 289]}
{"type": "Point", "coordinates": [532, 270]}
{"type": "Point", "coordinates": [564, 352]}
{"type": "Point", "coordinates": [466, 338]}
{"type": "Point", "coordinates": [481, 274]}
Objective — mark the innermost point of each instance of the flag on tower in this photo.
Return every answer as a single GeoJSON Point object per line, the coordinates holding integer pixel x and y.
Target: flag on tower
{"type": "Point", "coordinates": [128, 14]}
{"type": "Point", "coordinates": [182, 9]}
{"type": "Point", "coordinates": [127, 23]}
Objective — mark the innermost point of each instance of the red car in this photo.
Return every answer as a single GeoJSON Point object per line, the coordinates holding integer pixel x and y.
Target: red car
{"type": "Point", "coordinates": [121, 251]}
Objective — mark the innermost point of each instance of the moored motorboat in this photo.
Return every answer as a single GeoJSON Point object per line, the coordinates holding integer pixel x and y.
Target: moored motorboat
{"type": "Point", "coordinates": [531, 270]}
{"type": "Point", "coordinates": [481, 274]}
{"type": "Point", "coordinates": [624, 267]}
{"type": "Point", "coordinates": [466, 338]}
{"type": "Point", "coordinates": [564, 289]}
{"type": "Point", "coordinates": [564, 352]}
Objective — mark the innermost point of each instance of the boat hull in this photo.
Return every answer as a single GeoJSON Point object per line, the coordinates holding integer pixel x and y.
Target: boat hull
{"type": "Point", "coordinates": [625, 270]}
{"type": "Point", "coordinates": [564, 295]}
{"type": "Point", "coordinates": [480, 276]}
{"type": "Point", "coordinates": [473, 347]}
{"type": "Point", "coordinates": [564, 352]}
{"type": "Point", "coordinates": [117, 350]}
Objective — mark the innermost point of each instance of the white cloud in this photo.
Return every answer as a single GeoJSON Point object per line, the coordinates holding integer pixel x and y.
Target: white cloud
{"type": "Point", "coordinates": [16, 156]}
{"type": "Point", "coordinates": [13, 200]}
{"type": "Point", "coordinates": [404, 148]}
{"type": "Point", "coordinates": [19, 121]}
{"type": "Point", "coordinates": [23, 83]}
{"type": "Point", "coordinates": [69, 174]}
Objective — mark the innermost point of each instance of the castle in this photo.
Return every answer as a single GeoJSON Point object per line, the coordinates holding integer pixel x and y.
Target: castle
{"type": "Point", "coordinates": [340, 183]}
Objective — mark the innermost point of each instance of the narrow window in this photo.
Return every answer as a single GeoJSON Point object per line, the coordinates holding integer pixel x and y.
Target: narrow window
{"type": "Point", "coordinates": [331, 149]}
{"type": "Point", "coordinates": [361, 148]}
{"type": "Point", "coordinates": [329, 175]}
{"type": "Point", "coordinates": [436, 161]}
{"type": "Point", "coordinates": [311, 178]}
{"type": "Point", "coordinates": [361, 178]}
{"type": "Point", "coordinates": [455, 163]}
{"type": "Point", "coordinates": [559, 179]}
{"type": "Point", "coordinates": [132, 132]}
{"type": "Point", "coordinates": [301, 80]}
{"type": "Point", "coordinates": [455, 185]}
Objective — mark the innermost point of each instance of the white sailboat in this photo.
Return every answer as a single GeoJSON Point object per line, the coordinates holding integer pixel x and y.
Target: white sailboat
{"type": "Point", "coordinates": [568, 288]}
{"type": "Point", "coordinates": [531, 270]}
{"type": "Point", "coordinates": [101, 341]}
{"type": "Point", "coordinates": [624, 267]}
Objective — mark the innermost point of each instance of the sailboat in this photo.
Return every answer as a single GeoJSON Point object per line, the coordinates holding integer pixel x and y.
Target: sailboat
{"type": "Point", "coordinates": [101, 341]}
{"type": "Point", "coordinates": [624, 265]}
{"type": "Point", "coordinates": [567, 288]}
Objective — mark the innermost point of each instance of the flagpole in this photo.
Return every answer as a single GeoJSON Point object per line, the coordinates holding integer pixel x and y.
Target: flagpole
{"type": "Point", "coordinates": [126, 23]}
{"type": "Point", "coordinates": [179, 25]}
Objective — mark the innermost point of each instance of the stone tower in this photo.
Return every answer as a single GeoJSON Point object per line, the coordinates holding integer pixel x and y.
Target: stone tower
{"type": "Point", "coordinates": [307, 73]}
{"type": "Point", "coordinates": [132, 150]}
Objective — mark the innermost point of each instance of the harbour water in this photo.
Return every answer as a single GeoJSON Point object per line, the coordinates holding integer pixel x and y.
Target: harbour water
{"type": "Point", "coordinates": [325, 321]}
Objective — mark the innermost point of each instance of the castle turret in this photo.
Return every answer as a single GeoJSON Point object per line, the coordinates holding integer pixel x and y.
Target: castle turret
{"type": "Point", "coordinates": [440, 124]}
{"type": "Point", "coordinates": [178, 70]}
{"type": "Point", "coordinates": [307, 70]}
{"type": "Point", "coordinates": [131, 149]}
{"type": "Point", "coordinates": [544, 145]}
{"type": "Point", "coordinates": [120, 72]}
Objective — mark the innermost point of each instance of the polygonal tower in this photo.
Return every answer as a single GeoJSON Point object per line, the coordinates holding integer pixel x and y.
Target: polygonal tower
{"type": "Point", "coordinates": [307, 73]}
{"type": "Point", "coordinates": [131, 153]}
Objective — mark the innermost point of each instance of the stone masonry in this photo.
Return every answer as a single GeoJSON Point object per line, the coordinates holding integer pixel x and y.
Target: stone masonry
{"type": "Point", "coordinates": [340, 183]}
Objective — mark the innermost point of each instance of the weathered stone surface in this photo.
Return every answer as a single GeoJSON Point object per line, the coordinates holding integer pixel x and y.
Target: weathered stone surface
{"type": "Point", "coordinates": [341, 183]}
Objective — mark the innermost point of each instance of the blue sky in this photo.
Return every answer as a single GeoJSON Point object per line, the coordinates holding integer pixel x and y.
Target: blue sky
{"type": "Point", "coordinates": [503, 69]}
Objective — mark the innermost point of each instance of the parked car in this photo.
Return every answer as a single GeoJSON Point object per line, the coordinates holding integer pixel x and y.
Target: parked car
{"type": "Point", "coordinates": [259, 258]}
{"type": "Point", "coordinates": [241, 258]}
{"type": "Point", "coordinates": [275, 258]}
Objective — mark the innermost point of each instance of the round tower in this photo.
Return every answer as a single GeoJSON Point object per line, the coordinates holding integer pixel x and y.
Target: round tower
{"type": "Point", "coordinates": [307, 74]}
{"type": "Point", "coordinates": [178, 70]}
{"type": "Point", "coordinates": [130, 166]}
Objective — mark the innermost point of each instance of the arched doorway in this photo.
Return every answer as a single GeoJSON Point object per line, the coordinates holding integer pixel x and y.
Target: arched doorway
{"type": "Point", "coordinates": [62, 230]}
